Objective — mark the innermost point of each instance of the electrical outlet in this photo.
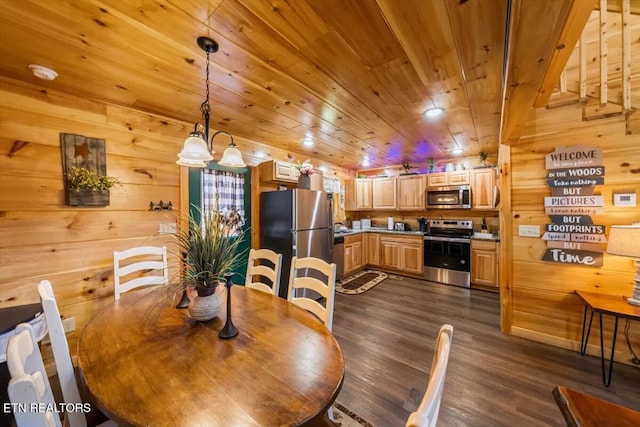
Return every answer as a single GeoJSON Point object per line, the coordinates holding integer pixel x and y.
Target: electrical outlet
{"type": "Point", "coordinates": [169, 228]}
{"type": "Point", "coordinates": [69, 324]}
{"type": "Point", "coordinates": [529, 230]}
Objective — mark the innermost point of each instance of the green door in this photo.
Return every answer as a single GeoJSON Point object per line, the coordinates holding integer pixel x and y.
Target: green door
{"type": "Point", "coordinates": [195, 202]}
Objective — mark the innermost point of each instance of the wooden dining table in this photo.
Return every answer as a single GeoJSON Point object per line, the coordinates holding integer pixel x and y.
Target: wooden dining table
{"type": "Point", "coordinates": [147, 363]}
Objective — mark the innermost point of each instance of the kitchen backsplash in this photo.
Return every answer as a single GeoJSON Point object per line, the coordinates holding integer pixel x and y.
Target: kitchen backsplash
{"type": "Point", "coordinates": [380, 218]}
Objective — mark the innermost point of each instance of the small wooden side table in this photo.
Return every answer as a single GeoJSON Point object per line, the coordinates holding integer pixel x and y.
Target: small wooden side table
{"type": "Point", "coordinates": [612, 305]}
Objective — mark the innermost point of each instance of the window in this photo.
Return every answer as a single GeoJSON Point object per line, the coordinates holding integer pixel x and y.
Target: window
{"type": "Point", "coordinates": [227, 190]}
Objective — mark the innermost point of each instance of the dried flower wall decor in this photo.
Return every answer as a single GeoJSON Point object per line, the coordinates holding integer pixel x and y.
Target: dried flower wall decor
{"type": "Point", "coordinates": [84, 170]}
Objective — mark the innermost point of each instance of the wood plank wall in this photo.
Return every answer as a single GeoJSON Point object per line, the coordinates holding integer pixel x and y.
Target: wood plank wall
{"type": "Point", "coordinates": [543, 306]}
{"type": "Point", "coordinates": [41, 238]}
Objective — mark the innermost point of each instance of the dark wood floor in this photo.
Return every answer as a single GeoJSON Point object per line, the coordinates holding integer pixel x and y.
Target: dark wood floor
{"type": "Point", "coordinates": [388, 333]}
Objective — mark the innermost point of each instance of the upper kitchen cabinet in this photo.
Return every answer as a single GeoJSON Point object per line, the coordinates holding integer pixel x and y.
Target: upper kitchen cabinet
{"type": "Point", "coordinates": [411, 190]}
{"type": "Point", "coordinates": [287, 173]}
{"type": "Point", "coordinates": [384, 193]}
{"type": "Point", "coordinates": [277, 171]}
{"type": "Point", "coordinates": [448, 178]}
{"type": "Point", "coordinates": [483, 187]}
{"type": "Point", "coordinates": [357, 194]}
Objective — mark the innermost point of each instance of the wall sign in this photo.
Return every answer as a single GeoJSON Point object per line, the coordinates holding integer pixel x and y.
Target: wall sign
{"type": "Point", "coordinates": [572, 237]}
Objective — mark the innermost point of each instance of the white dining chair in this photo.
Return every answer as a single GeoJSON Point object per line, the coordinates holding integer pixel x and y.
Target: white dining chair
{"type": "Point", "coordinates": [150, 261]}
{"type": "Point", "coordinates": [62, 357]}
{"type": "Point", "coordinates": [326, 289]}
{"type": "Point", "coordinates": [300, 279]}
{"type": "Point", "coordinates": [257, 270]}
{"type": "Point", "coordinates": [427, 413]}
{"type": "Point", "coordinates": [29, 384]}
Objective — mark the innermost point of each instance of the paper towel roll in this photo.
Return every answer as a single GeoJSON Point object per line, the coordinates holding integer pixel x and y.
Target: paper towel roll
{"type": "Point", "coordinates": [390, 223]}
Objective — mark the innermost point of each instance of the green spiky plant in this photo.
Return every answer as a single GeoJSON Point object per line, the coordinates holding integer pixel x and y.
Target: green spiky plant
{"type": "Point", "coordinates": [210, 247]}
{"type": "Point", "coordinates": [483, 156]}
{"type": "Point", "coordinates": [431, 163]}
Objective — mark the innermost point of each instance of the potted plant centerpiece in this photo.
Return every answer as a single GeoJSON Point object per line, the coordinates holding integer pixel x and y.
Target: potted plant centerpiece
{"type": "Point", "coordinates": [306, 170]}
{"type": "Point", "coordinates": [86, 188]}
{"type": "Point", "coordinates": [209, 249]}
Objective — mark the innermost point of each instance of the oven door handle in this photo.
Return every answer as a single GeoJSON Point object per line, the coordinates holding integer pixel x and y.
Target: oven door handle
{"type": "Point", "coordinates": [448, 239]}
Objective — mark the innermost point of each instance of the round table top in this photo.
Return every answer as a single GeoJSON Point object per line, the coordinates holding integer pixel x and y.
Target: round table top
{"type": "Point", "coordinates": [151, 364]}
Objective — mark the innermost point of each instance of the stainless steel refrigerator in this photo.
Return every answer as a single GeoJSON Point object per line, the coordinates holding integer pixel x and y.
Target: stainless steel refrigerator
{"type": "Point", "coordinates": [296, 223]}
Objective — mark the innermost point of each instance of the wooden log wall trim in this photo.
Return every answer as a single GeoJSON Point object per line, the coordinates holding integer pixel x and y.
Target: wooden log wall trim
{"type": "Point", "coordinates": [505, 274]}
{"type": "Point", "coordinates": [626, 55]}
{"type": "Point", "coordinates": [603, 52]}
{"type": "Point", "coordinates": [41, 238]}
{"type": "Point", "coordinates": [543, 307]}
{"type": "Point", "coordinates": [592, 349]}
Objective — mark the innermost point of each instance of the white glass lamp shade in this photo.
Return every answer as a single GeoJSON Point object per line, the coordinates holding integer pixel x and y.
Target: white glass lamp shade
{"type": "Point", "coordinates": [195, 152]}
{"type": "Point", "coordinates": [232, 157]}
{"type": "Point", "coordinates": [624, 240]}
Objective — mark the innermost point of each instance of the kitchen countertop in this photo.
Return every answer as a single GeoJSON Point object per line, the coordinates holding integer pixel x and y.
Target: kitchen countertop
{"type": "Point", "coordinates": [379, 230]}
{"type": "Point", "coordinates": [405, 233]}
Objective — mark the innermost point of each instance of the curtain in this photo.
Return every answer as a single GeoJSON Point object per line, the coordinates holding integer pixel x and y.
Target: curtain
{"type": "Point", "coordinates": [223, 191]}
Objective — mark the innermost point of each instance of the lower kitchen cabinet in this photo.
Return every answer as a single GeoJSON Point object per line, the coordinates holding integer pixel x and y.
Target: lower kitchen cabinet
{"type": "Point", "coordinates": [372, 249]}
{"type": "Point", "coordinates": [403, 253]}
{"type": "Point", "coordinates": [484, 264]}
{"type": "Point", "coordinates": [352, 254]}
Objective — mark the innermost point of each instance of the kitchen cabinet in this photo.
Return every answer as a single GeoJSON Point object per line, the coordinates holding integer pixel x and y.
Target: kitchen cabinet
{"type": "Point", "coordinates": [439, 179]}
{"type": "Point", "coordinates": [483, 182]}
{"type": "Point", "coordinates": [389, 254]}
{"type": "Point", "coordinates": [352, 254]}
{"type": "Point", "coordinates": [372, 249]}
{"type": "Point", "coordinates": [277, 171]}
{"type": "Point", "coordinates": [403, 253]}
{"type": "Point", "coordinates": [287, 173]}
{"type": "Point", "coordinates": [411, 190]}
{"type": "Point", "coordinates": [357, 194]}
{"type": "Point", "coordinates": [484, 264]}
{"type": "Point", "coordinates": [384, 193]}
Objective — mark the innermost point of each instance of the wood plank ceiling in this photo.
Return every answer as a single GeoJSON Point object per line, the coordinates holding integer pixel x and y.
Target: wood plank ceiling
{"type": "Point", "coordinates": [352, 76]}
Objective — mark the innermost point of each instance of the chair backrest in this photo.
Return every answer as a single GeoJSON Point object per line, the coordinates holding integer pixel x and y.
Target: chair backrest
{"type": "Point", "coordinates": [256, 268]}
{"type": "Point", "coordinates": [136, 260]}
{"type": "Point", "coordinates": [29, 384]}
{"type": "Point", "coordinates": [61, 355]}
{"type": "Point", "coordinates": [310, 280]}
{"type": "Point", "coordinates": [427, 413]}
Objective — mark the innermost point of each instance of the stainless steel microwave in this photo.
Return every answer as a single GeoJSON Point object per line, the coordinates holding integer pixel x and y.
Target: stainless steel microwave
{"type": "Point", "coordinates": [458, 197]}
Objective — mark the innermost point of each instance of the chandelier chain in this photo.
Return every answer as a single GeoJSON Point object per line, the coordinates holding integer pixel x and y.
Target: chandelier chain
{"type": "Point", "coordinates": [205, 108]}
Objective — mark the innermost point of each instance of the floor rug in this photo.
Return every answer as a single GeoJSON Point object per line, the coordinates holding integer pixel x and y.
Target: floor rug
{"type": "Point", "coordinates": [360, 282]}
{"type": "Point", "coordinates": [345, 418]}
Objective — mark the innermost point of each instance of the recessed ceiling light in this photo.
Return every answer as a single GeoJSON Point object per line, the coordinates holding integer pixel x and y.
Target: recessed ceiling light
{"type": "Point", "coordinates": [434, 112]}
{"type": "Point", "coordinates": [365, 161]}
{"type": "Point", "coordinates": [457, 151]}
{"type": "Point", "coordinates": [42, 72]}
{"type": "Point", "coordinates": [307, 142]}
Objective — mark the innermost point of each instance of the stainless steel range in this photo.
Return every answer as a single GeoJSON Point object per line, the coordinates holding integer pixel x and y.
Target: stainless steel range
{"type": "Point", "coordinates": [447, 251]}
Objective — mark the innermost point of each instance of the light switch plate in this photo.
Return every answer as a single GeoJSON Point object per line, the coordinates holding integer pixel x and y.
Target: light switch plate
{"type": "Point", "coordinates": [529, 230]}
{"type": "Point", "coordinates": [169, 228]}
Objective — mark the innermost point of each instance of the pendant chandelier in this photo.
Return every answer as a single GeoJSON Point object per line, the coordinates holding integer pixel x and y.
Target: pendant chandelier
{"type": "Point", "coordinates": [198, 148]}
